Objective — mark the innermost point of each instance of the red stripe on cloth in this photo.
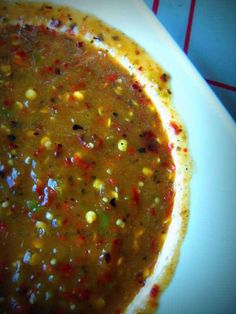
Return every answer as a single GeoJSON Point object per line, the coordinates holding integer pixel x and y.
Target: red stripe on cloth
{"type": "Point", "coordinates": [222, 85]}
{"type": "Point", "coordinates": [189, 26]}
{"type": "Point", "coordinates": [155, 6]}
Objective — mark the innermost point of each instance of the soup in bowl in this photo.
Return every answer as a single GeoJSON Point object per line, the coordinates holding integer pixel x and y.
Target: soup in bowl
{"type": "Point", "coordinates": [94, 166]}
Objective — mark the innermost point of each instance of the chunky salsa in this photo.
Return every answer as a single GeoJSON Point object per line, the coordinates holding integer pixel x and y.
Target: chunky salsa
{"type": "Point", "coordinates": [86, 176]}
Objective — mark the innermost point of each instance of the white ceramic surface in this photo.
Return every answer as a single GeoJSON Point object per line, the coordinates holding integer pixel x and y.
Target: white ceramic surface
{"type": "Point", "coordinates": [205, 279]}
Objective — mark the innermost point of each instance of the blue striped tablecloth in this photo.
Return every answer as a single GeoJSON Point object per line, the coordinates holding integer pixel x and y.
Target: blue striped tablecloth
{"type": "Point", "coordinates": [206, 31]}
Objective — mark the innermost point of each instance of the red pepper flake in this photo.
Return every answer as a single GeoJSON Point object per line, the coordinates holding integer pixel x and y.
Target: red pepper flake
{"type": "Point", "coordinates": [185, 150]}
{"type": "Point", "coordinates": [12, 146]}
{"type": "Point", "coordinates": [78, 86]}
{"type": "Point", "coordinates": [57, 62]}
{"type": "Point", "coordinates": [38, 152]}
{"type": "Point", "coordinates": [66, 269]}
{"type": "Point", "coordinates": [175, 127]}
{"type": "Point", "coordinates": [131, 151]}
{"type": "Point", "coordinates": [153, 211]}
{"type": "Point", "coordinates": [113, 181]}
{"type": "Point", "coordinates": [154, 291]}
{"type": "Point", "coordinates": [2, 227]}
{"type": "Point", "coordinates": [7, 102]}
{"type": "Point", "coordinates": [53, 32]}
{"type": "Point", "coordinates": [21, 54]}
{"type": "Point", "coordinates": [58, 150]}
{"type": "Point", "coordinates": [42, 28]}
{"type": "Point", "coordinates": [65, 221]}
{"type": "Point", "coordinates": [112, 77]}
{"type": "Point", "coordinates": [39, 187]}
{"type": "Point", "coordinates": [48, 196]}
{"type": "Point", "coordinates": [169, 199]}
{"type": "Point", "coordinates": [117, 242]}
{"type": "Point", "coordinates": [68, 162]}
{"type": "Point", "coordinates": [164, 77]}
{"type": "Point", "coordinates": [149, 141]}
{"type": "Point", "coordinates": [81, 163]}
{"type": "Point", "coordinates": [137, 86]}
{"type": "Point", "coordinates": [169, 195]}
{"type": "Point", "coordinates": [46, 70]}
{"type": "Point", "coordinates": [80, 44]}
{"type": "Point", "coordinates": [99, 243]}
{"type": "Point", "coordinates": [168, 147]}
{"type": "Point", "coordinates": [169, 165]}
{"type": "Point", "coordinates": [144, 101]}
{"type": "Point", "coordinates": [135, 196]}
{"type": "Point", "coordinates": [153, 245]}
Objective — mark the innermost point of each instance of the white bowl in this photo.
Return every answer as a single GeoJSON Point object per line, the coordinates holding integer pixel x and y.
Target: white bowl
{"type": "Point", "coordinates": [205, 279]}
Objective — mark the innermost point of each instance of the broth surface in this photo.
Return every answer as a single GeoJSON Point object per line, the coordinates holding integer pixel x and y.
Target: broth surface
{"type": "Point", "coordinates": [86, 177]}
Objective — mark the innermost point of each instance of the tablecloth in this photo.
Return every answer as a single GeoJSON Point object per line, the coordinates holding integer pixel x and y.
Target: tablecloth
{"type": "Point", "coordinates": [206, 31]}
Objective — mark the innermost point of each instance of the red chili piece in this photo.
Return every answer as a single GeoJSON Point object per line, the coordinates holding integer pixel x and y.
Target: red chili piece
{"type": "Point", "coordinates": [135, 196]}
{"type": "Point", "coordinates": [154, 291]}
{"type": "Point", "coordinates": [175, 127]}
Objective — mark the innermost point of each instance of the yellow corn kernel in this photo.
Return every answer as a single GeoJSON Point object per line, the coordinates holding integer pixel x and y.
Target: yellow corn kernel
{"type": "Point", "coordinates": [147, 172]}
{"type": "Point", "coordinates": [38, 243]}
{"type": "Point", "coordinates": [35, 259]}
{"type": "Point", "coordinates": [100, 111]}
{"type": "Point", "coordinates": [40, 225]}
{"type": "Point", "coordinates": [118, 90]}
{"type": "Point", "coordinates": [146, 273]}
{"type": "Point", "coordinates": [78, 155]}
{"type": "Point", "coordinates": [98, 184]}
{"type": "Point", "coordinates": [120, 223]}
{"type": "Point", "coordinates": [115, 194]}
{"type": "Point", "coordinates": [90, 216]}
{"type": "Point", "coordinates": [46, 142]}
{"type": "Point", "coordinates": [31, 94]}
{"type": "Point", "coordinates": [151, 107]}
{"type": "Point", "coordinates": [122, 145]}
{"type": "Point", "coordinates": [19, 105]}
{"type": "Point", "coordinates": [78, 95]}
{"type": "Point", "coordinates": [108, 122]}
